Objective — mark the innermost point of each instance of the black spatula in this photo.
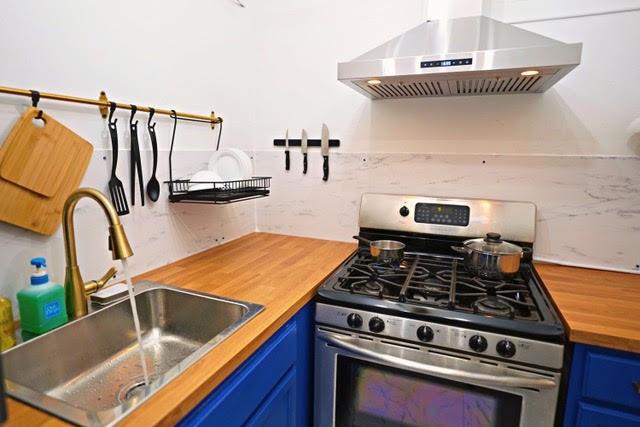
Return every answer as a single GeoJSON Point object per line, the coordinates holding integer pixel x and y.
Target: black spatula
{"type": "Point", "coordinates": [116, 189]}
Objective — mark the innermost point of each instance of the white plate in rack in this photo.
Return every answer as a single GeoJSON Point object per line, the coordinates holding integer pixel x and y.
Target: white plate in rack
{"type": "Point", "coordinates": [204, 180]}
{"type": "Point", "coordinates": [231, 164]}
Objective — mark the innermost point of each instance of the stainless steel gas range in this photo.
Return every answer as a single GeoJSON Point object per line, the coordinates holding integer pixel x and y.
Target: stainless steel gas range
{"type": "Point", "coordinates": [422, 342]}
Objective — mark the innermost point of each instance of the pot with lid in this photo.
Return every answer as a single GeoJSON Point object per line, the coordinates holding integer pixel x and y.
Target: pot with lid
{"type": "Point", "coordinates": [491, 257]}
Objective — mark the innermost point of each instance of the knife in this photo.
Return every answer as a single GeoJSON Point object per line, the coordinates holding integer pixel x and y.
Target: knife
{"type": "Point", "coordinates": [304, 147]}
{"type": "Point", "coordinates": [324, 148]}
{"type": "Point", "coordinates": [287, 161]}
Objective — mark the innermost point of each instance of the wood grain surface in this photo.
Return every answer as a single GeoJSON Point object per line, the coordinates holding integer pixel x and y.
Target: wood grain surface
{"type": "Point", "coordinates": [39, 168]}
{"type": "Point", "coordinates": [280, 272]}
{"type": "Point", "coordinates": [600, 308]}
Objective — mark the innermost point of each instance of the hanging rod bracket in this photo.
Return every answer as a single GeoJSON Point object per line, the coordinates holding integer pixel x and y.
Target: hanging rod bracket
{"type": "Point", "coordinates": [215, 119]}
{"type": "Point", "coordinates": [104, 110]}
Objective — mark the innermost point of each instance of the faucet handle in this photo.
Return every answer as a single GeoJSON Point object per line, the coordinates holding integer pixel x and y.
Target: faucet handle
{"type": "Point", "coordinates": [94, 285]}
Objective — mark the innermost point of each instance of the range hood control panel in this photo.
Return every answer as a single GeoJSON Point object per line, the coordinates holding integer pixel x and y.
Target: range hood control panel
{"type": "Point", "coordinates": [446, 63]}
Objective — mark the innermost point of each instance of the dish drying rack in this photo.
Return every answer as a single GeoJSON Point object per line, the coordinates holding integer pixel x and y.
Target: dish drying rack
{"type": "Point", "coordinates": [220, 191]}
{"type": "Point", "coordinates": [215, 192]}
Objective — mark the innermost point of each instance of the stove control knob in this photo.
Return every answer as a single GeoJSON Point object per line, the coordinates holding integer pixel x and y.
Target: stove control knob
{"type": "Point", "coordinates": [506, 348]}
{"type": "Point", "coordinates": [404, 211]}
{"type": "Point", "coordinates": [376, 324]}
{"type": "Point", "coordinates": [425, 333]}
{"type": "Point", "coordinates": [354, 320]}
{"type": "Point", "coordinates": [478, 343]}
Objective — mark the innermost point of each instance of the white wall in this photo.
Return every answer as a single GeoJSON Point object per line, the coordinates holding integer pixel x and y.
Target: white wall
{"type": "Point", "coordinates": [301, 43]}
{"type": "Point", "coordinates": [272, 65]}
{"type": "Point", "coordinates": [588, 211]}
{"type": "Point", "coordinates": [190, 56]}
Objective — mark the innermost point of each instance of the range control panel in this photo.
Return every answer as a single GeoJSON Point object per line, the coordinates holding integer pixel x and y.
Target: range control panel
{"type": "Point", "coordinates": [435, 213]}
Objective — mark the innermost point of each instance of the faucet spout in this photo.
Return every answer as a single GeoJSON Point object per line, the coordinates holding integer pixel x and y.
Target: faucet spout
{"type": "Point", "coordinates": [74, 286]}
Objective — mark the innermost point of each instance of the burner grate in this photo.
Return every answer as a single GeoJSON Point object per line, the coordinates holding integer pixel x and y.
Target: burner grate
{"type": "Point", "coordinates": [429, 280]}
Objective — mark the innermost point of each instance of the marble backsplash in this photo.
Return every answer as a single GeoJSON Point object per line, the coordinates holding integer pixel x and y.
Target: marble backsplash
{"type": "Point", "coordinates": [588, 206]}
{"type": "Point", "coordinates": [159, 232]}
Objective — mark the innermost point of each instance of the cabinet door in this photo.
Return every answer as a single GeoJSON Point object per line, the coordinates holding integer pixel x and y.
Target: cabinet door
{"type": "Point", "coordinates": [272, 388]}
{"type": "Point", "coordinates": [279, 408]}
{"type": "Point", "coordinates": [596, 416]}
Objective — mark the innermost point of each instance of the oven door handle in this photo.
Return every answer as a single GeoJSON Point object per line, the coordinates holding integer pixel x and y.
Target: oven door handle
{"type": "Point", "coordinates": [496, 380]}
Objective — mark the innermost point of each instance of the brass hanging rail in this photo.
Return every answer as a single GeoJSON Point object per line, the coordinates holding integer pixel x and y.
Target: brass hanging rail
{"type": "Point", "coordinates": [103, 104]}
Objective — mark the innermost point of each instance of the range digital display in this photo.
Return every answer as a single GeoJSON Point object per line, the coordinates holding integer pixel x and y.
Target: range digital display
{"type": "Point", "coordinates": [431, 213]}
{"type": "Point", "coordinates": [446, 63]}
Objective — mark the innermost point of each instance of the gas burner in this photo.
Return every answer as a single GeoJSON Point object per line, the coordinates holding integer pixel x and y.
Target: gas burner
{"type": "Point", "coordinates": [426, 280]}
{"type": "Point", "coordinates": [493, 306]}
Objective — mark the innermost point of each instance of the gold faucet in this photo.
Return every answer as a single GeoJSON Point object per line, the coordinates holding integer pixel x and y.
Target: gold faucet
{"type": "Point", "coordinates": [76, 290]}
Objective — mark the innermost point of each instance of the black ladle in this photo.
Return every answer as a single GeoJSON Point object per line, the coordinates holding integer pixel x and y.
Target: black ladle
{"type": "Point", "coordinates": [153, 186]}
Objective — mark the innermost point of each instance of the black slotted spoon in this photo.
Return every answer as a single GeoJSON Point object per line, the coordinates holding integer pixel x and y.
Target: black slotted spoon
{"type": "Point", "coordinates": [116, 189]}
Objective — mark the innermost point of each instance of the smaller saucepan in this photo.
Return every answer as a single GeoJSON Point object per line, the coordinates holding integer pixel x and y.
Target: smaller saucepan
{"type": "Point", "coordinates": [491, 257]}
{"type": "Point", "coordinates": [386, 251]}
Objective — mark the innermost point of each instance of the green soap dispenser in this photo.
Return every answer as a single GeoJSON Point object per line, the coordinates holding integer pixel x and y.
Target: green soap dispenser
{"type": "Point", "coordinates": [42, 305]}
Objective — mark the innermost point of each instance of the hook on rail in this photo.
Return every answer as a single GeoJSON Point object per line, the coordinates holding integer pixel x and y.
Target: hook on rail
{"type": "Point", "coordinates": [133, 113]}
{"type": "Point", "coordinates": [112, 109]}
{"type": "Point", "coordinates": [152, 111]}
{"type": "Point", "coordinates": [35, 98]}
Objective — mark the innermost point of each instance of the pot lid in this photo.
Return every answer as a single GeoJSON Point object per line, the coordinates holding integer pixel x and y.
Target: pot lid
{"type": "Point", "coordinates": [493, 244]}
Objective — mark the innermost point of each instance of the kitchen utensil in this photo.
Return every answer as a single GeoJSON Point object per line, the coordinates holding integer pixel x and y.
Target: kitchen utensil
{"type": "Point", "coordinates": [385, 251]}
{"type": "Point", "coordinates": [324, 148]}
{"type": "Point", "coordinates": [116, 189]}
{"type": "Point", "coordinates": [491, 257]}
{"type": "Point", "coordinates": [153, 186]}
{"type": "Point", "coordinates": [231, 164]}
{"type": "Point", "coordinates": [304, 148]}
{"type": "Point", "coordinates": [203, 180]}
{"type": "Point", "coordinates": [136, 163]}
{"type": "Point", "coordinates": [40, 166]}
{"type": "Point", "coordinates": [287, 160]}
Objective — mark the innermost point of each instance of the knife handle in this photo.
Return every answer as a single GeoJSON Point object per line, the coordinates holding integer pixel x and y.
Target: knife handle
{"type": "Point", "coordinates": [325, 168]}
{"type": "Point", "coordinates": [304, 163]}
{"type": "Point", "coordinates": [287, 160]}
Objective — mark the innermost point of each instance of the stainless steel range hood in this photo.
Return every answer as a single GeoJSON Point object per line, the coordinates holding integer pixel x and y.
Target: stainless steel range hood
{"type": "Point", "coordinates": [464, 56]}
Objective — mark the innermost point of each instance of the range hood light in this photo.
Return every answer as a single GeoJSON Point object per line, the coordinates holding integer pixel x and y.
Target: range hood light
{"type": "Point", "coordinates": [373, 82]}
{"type": "Point", "coordinates": [530, 73]}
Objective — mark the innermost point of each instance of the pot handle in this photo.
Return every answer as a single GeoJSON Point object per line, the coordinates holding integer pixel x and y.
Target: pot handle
{"type": "Point", "coordinates": [362, 239]}
{"type": "Point", "coordinates": [460, 249]}
{"type": "Point", "coordinates": [527, 254]}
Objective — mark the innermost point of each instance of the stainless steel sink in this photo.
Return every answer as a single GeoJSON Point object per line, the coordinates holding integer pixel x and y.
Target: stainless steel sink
{"type": "Point", "coordinates": [89, 371]}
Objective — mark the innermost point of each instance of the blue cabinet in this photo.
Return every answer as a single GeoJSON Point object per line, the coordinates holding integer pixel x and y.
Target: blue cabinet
{"type": "Point", "coordinates": [271, 388]}
{"type": "Point", "coordinates": [604, 388]}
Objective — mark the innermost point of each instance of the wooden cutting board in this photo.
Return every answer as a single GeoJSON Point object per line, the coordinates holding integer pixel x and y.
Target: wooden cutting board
{"type": "Point", "coordinates": [40, 166]}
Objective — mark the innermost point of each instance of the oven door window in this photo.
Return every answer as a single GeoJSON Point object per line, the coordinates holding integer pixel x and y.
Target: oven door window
{"type": "Point", "coordinates": [370, 395]}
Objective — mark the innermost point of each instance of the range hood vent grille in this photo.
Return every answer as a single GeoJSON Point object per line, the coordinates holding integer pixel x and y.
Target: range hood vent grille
{"type": "Point", "coordinates": [418, 88]}
{"type": "Point", "coordinates": [460, 57]}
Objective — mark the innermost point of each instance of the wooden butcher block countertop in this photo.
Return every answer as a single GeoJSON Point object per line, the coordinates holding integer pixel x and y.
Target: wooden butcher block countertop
{"type": "Point", "coordinates": [280, 272]}
{"type": "Point", "coordinates": [283, 272]}
{"type": "Point", "coordinates": [600, 308]}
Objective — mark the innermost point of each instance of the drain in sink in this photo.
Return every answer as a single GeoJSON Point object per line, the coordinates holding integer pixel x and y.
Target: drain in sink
{"type": "Point", "coordinates": [132, 389]}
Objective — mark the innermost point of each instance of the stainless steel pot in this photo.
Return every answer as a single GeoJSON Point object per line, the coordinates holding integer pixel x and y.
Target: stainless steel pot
{"type": "Point", "coordinates": [491, 257]}
{"type": "Point", "coordinates": [386, 251]}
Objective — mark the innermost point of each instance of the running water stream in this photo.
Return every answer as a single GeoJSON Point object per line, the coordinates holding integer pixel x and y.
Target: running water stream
{"type": "Point", "coordinates": [136, 320]}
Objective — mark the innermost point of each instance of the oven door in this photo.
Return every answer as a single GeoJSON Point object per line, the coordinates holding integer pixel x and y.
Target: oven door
{"type": "Point", "coordinates": [366, 381]}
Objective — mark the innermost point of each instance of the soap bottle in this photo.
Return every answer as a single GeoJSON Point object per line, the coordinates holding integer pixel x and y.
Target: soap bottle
{"type": "Point", "coordinates": [42, 305]}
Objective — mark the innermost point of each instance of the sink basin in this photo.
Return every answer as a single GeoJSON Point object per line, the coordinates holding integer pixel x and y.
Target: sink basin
{"type": "Point", "coordinates": [89, 371]}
